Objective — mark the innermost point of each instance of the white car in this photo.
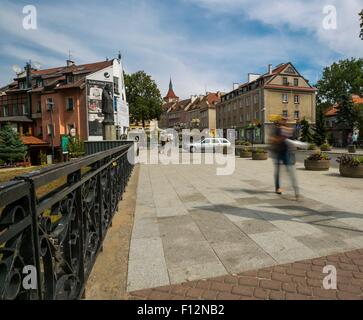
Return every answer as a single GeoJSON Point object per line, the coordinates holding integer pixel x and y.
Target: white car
{"type": "Point", "coordinates": [208, 145]}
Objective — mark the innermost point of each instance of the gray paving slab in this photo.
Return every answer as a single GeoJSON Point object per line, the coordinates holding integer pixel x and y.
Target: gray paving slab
{"type": "Point", "coordinates": [192, 224]}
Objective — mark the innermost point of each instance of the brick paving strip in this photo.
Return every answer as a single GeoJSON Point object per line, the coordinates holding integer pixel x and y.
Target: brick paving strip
{"type": "Point", "coordinates": [302, 280]}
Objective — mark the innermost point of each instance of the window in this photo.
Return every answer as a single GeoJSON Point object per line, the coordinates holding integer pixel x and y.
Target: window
{"type": "Point", "coordinates": [296, 82]}
{"type": "Point", "coordinates": [38, 107]}
{"type": "Point", "coordinates": [5, 111]}
{"type": "Point", "coordinates": [70, 79]}
{"type": "Point", "coordinates": [296, 114]}
{"type": "Point", "coordinates": [22, 85]}
{"type": "Point", "coordinates": [296, 99]}
{"type": "Point", "coordinates": [248, 118]}
{"type": "Point", "coordinates": [15, 110]}
{"type": "Point", "coordinates": [248, 100]}
{"type": "Point", "coordinates": [285, 98]}
{"type": "Point", "coordinates": [39, 83]}
{"type": "Point", "coordinates": [285, 113]}
{"type": "Point", "coordinates": [50, 129]}
{"type": "Point", "coordinates": [241, 118]}
{"type": "Point", "coordinates": [284, 81]}
{"type": "Point", "coordinates": [255, 99]}
{"type": "Point", "coordinates": [50, 104]}
{"type": "Point", "coordinates": [70, 104]}
{"type": "Point", "coordinates": [116, 85]}
{"type": "Point", "coordinates": [25, 109]}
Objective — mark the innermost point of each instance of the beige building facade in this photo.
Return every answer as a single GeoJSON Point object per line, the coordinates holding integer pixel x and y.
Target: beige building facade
{"type": "Point", "coordinates": [251, 108]}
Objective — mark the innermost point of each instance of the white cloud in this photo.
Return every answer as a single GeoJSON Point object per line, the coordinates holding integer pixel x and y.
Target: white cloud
{"type": "Point", "coordinates": [139, 29]}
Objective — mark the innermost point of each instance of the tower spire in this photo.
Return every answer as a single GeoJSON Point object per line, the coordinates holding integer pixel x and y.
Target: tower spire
{"type": "Point", "coordinates": [171, 85]}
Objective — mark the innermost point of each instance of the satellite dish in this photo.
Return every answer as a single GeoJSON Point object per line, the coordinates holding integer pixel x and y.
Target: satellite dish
{"type": "Point", "coordinates": [16, 69]}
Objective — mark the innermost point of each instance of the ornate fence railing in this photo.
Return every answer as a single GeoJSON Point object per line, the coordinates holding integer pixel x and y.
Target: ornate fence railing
{"type": "Point", "coordinates": [58, 232]}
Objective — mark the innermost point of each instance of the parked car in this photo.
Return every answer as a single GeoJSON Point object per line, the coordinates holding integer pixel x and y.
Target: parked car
{"type": "Point", "coordinates": [208, 145]}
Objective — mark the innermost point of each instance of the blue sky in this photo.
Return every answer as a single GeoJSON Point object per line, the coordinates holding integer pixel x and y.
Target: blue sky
{"type": "Point", "coordinates": [202, 44]}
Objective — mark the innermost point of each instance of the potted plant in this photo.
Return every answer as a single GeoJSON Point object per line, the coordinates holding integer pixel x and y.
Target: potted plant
{"type": "Point", "coordinates": [245, 152]}
{"type": "Point", "coordinates": [312, 146]}
{"type": "Point", "coordinates": [259, 154]}
{"type": "Point", "coordinates": [325, 147]}
{"type": "Point", "coordinates": [352, 148]}
{"type": "Point", "coordinates": [350, 166]}
{"type": "Point", "coordinates": [318, 161]}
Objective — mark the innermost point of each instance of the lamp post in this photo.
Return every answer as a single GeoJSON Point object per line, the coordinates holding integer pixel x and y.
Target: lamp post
{"type": "Point", "coordinates": [50, 106]}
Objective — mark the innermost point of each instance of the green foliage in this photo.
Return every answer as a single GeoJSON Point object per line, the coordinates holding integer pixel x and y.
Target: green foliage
{"type": "Point", "coordinates": [350, 161]}
{"type": "Point", "coordinates": [319, 136]}
{"type": "Point", "coordinates": [318, 156]}
{"type": "Point", "coordinates": [312, 146]}
{"type": "Point", "coordinates": [305, 131]}
{"type": "Point", "coordinates": [343, 77]}
{"type": "Point", "coordinates": [325, 147]}
{"type": "Point", "coordinates": [12, 148]}
{"type": "Point", "coordinates": [143, 96]}
{"type": "Point", "coordinates": [75, 147]}
{"type": "Point", "coordinates": [348, 114]}
{"type": "Point", "coordinates": [259, 150]}
{"type": "Point", "coordinates": [43, 158]}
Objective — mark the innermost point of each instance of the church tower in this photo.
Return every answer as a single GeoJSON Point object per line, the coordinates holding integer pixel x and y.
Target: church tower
{"type": "Point", "coordinates": [171, 96]}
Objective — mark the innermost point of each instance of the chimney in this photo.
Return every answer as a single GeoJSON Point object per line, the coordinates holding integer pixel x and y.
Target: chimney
{"type": "Point", "coordinates": [70, 63]}
{"type": "Point", "coordinates": [269, 68]}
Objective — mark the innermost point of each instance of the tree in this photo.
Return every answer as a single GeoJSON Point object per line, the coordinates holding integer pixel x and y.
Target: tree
{"type": "Point", "coordinates": [348, 113]}
{"type": "Point", "coordinates": [319, 135]}
{"type": "Point", "coordinates": [143, 96]}
{"type": "Point", "coordinates": [12, 148]}
{"type": "Point", "coordinates": [305, 131]}
{"type": "Point", "coordinates": [343, 77]}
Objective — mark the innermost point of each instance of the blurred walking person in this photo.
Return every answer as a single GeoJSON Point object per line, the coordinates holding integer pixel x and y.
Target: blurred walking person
{"type": "Point", "coordinates": [282, 154]}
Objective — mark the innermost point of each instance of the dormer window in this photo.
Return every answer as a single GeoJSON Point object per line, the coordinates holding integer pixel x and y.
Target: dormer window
{"type": "Point", "coordinates": [284, 81]}
{"type": "Point", "coordinates": [22, 85]}
{"type": "Point", "coordinates": [70, 79]}
{"type": "Point", "coordinates": [39, 83]}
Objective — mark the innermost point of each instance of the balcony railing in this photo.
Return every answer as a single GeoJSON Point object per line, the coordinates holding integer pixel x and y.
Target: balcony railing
{"type": "Point", "coordinates": [54, 221]}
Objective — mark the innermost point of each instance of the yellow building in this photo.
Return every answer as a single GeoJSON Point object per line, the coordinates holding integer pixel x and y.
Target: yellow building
{"type": "Point", "coordinates": [251, 107]}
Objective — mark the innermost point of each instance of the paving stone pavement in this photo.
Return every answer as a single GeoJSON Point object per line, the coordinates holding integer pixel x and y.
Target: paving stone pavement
{"type": "Point", "coordinates": [191, 224]}
{"type": "Point", "coordinates": [301, 280]}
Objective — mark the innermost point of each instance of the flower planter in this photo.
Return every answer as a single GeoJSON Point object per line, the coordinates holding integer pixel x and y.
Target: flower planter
{"type": "Point", "coordinates": [317, 165]}
{"type": "Point", "coordinates": [325, 148]}
{"type": "Point", "coordinates": [259, 156]}
{"type": "Point", "coordinates": [245, 154]}
{"type": "Point", "coordinates": [351, 172]}
{"type": "Point", "coordinates": [352, 149]}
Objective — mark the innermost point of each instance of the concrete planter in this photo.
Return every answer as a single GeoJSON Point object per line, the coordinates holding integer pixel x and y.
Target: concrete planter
{"type": "Point", "coordinates": [317, 165]}
{"type": "Point", "coordinates": [351, 172]}
{"type": "Point", "coordinates": [245, 154]}
{"type": "Point", "coordinates": [259, 156]}
{"type": "Point", "coordinates": [352, 149]}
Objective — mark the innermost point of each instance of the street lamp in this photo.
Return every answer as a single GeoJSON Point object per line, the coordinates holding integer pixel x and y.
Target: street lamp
{"type": "Point", "coordinates": [50, 108]}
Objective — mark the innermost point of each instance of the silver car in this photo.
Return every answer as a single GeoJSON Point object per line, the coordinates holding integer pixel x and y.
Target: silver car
{"type": "Point", "coordinates": [208, 145]}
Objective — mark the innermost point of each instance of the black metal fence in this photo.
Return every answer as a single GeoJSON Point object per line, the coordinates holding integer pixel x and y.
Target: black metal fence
{"type": "Point", "coordinates": [92, 147]}
{"type": "Point", "coordinates": [60, 231]}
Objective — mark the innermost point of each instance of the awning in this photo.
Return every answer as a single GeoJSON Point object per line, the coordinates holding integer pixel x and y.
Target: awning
{"type": "Point", "coordinates": [33, 141]}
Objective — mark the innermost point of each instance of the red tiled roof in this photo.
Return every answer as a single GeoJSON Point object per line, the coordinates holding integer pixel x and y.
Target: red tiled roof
{"type": "Point", "coordinates": [90, 67]}
{"type": "Point", "coordinates": [332, 111]}
{"type": "Point", "coordinates": [171, 95]}
{"type": "Point", "coordinates": [31, 140]}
